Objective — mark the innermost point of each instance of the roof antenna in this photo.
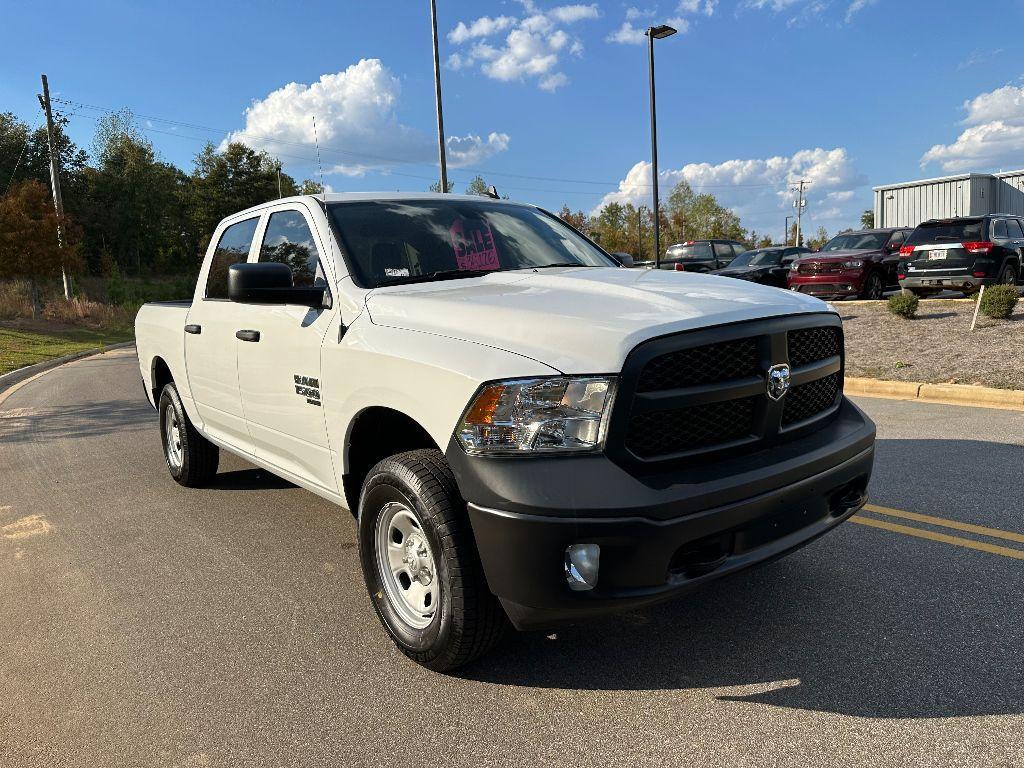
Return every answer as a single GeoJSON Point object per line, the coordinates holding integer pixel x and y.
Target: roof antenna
{"type": "Point", "coordinates": [320, 167]}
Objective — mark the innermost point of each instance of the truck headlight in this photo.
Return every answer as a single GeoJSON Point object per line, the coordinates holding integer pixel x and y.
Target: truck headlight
{"type": "Point", "coordinates": [853, 264]}
{"type": "Point", "coordinates": [563, 413]}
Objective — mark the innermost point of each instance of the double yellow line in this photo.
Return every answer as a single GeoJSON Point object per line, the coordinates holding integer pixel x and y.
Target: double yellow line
{"type": "Point", "coordinates": [941, 522]}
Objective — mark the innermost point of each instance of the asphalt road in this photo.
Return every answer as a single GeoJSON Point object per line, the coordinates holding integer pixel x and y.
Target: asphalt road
{"type": "Point", "coordinates": [145, 624]}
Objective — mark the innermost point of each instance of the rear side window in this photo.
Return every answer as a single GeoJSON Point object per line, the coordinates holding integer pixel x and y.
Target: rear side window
{"type": "Point", "coordinates": [999, 229]}
{"type": "Point", "coordinates": [959, 231]}
{"type": "Point", "coordinates": [724, 251]}
{"type": "Point", "coordinates": [232, 248]}
{"type": "Point", "coordinates": [1013, 229]}
{"type": "Point", "coordinates": [288, 240]}
{"type": "Point", "coordinates": [897, 237]}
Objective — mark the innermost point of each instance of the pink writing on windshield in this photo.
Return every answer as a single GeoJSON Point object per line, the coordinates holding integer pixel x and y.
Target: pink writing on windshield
{"type": "Point", "coordinates": [474, 245]}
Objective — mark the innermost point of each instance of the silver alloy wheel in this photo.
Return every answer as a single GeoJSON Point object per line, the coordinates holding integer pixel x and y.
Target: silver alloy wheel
{"type": "Point", "coordinates": [172, 438]}
{"type": "Point", "coordinates": [406, 565]}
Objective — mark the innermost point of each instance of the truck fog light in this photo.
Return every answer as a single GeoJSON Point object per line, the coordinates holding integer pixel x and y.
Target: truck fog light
{"type": "Point", "coordinates": [582, 562]}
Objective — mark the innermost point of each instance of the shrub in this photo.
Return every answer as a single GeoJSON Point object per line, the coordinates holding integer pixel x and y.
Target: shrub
{"type": "Point", "coordinates": [15, 299]}
{"type": "Point", "coordinates": [999, 301]}
{"type": "Point", "coordinates": [904, 305]}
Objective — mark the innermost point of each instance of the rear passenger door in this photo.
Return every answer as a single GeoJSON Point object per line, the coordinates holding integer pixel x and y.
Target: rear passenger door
{"type": "Point", "coordinates": [279, 376]}
{"type": "Point", "coordinates": [210, 359]}
{"type": "Point", "coordinates": [891, 257]}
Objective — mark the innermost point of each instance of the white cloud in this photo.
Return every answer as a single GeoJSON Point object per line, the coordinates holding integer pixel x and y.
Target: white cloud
{"type": "Point", "coordinates": [634, 13]}
{"type": "Point", "coordinates": [482, 27]}
{"type": "Point", "coordinates": [630, 34]}
{"type": "Point", "coordinates": [856, 6]}
{"type": "Point", "coordinates": [357, 124]}
{"type": "Point", "coordinates": [994, 136]}
{"type": "Point", "coordinates": [759, 189]}
{"type": "Point", "coordinates": [531, 50]}
{"type": "Point", "coordinates": [627, 34]}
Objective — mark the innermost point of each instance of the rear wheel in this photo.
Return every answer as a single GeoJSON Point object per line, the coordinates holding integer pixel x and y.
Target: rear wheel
{"type": "Point", "coordinates": [191, 459]}
{"type": "Point", "coordinates": [421, 565]}
{"type": "Point", "coordinates": [1009, 275]}
{"type": "Point", "coordinates": [873, 287]}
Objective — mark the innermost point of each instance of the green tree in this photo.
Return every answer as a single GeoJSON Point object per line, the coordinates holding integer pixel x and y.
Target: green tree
{"type": "Point", "coordinates": [227, 181]}
{"type": "Point", "coordinates": [693, 216]}
{"type": "Point", "coordinates": [29, 246]}
{"type": "Point", "coordinates": [867, 219]}
{"type": "Point", "coordinates": [477, 186]}
{"type": "Point", "coordinates": [308, 187]}
{"type": "Point", "coordinates": [817, 242]}
{"type": "Point", "coordinates": [436, 186]}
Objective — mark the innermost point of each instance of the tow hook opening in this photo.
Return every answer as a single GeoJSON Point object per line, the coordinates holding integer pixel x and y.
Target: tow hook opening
{"type": "Point", "coordinates": [848, 497]}
{"type": "Point", "coordinates": [701, 557]}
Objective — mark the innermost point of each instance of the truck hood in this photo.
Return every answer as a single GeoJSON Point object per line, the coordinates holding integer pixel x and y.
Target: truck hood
{"type": "Point", "coordinates": [578, 320]}
{"type": "Point", "coordinates": [833, 256]}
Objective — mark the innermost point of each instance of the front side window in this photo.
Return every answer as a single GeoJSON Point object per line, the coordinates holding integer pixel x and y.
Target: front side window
{"type": "Point", "coordinates": [724, 251]}
{"type": "Point", "coordinates": [232, 248]}
{"type": "Point", "coordinates": [289, 240]}
{"type": "Point", "coordinates": [400, 241]}
{"type": "Point", "coordinates": [1013, 229]}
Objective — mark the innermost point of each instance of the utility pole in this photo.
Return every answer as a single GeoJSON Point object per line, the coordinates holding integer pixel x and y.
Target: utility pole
{"type": "Point", "coordinates": [785, 232]}
{"type": "Point", "coordinates": [799, 204]}
{"type": "Point", "coordinates": [58, 201]}
{"type": "Point", "coordinates": [437, 94]}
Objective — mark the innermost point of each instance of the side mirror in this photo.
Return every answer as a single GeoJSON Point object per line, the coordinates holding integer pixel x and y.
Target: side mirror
{"type": "Point", "coordinates": [624, 259]}
{"type": "Point", "coordinates": [270, 283]}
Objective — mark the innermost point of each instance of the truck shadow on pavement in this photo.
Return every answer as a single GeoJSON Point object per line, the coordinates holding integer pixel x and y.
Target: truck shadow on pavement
{"type": "Point", "coordinates": [862, 622]}
{"type": "Point", "coordinates": [84, 421]}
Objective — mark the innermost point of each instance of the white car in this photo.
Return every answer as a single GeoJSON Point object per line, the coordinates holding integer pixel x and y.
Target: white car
{"type": "Point", "coordinates": [526, 431]}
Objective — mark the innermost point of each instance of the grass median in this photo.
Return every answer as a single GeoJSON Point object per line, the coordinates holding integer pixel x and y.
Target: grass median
{"type": "Point", "coordinates": [20, 346]}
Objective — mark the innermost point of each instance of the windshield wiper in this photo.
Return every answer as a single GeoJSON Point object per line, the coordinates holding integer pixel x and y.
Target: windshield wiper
{"type": "Point", "coordinates": [442, 274]}
{"type": "Point", "coordinates": [559, 264]}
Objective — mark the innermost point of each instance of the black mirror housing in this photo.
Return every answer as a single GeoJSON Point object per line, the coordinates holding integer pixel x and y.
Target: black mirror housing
{"type": "Point", "coordinates": [270, 283]}
{"type": "Point", "coordinates": [624, 259]}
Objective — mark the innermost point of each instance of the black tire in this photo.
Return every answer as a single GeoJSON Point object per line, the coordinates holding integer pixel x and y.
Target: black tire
{"type": "Point", "coordinates": [197, 458]}
{"type": "Point", "coordinates": [467, 620]}
{"type": "Point", "coordinates": [1008, 276]}
{"type": "Point", "coordinates": [874, 287]}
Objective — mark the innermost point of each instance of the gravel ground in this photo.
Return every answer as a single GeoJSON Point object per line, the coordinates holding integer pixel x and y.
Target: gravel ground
{"type": "Point", "coordinates": [936, 347]}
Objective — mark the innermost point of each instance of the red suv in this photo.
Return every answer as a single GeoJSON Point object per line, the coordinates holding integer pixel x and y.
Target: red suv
{"type": "Point", "coordinates": [859, 264]}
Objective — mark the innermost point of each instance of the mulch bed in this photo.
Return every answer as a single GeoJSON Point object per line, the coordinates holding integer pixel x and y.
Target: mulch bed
{"type": "Point", "coordinates": [936, 347]}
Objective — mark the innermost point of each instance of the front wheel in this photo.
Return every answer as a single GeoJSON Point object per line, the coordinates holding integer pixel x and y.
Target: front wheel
{"type": "Point", "coordinates": [421, 565]}
{"type": "Point", "coordinates": [873, 287]}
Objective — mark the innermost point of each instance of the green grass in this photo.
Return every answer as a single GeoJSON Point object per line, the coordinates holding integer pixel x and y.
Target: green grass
{"type": "Point", "coordinates": [20, 348]}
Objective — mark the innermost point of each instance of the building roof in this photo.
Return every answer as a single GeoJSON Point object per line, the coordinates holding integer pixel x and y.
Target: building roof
{"type": "Point", "coordinates": [955, 177]}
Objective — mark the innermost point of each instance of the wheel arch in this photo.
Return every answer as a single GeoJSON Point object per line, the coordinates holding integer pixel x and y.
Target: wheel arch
{"type": "Point", "coordinates": [159, 376]}
{"type": "Point", "coordinates": [375, 433]}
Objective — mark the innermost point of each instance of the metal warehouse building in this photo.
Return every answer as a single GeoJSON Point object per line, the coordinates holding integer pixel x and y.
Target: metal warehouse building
{"type": "Point", "coordinates": [969, 194]}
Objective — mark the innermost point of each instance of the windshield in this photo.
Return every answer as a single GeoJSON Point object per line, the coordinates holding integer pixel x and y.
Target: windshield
{"type": "Point", "coordinates": [758, 258]}
{"type": "Point", "coordinates": [857, 241]}
{"type": "Point", "coordinates": [396, 241]}
{"type": "Point", "coordinates": [947, 232]}
{"type": "Point", "coordinates": [690, 251]}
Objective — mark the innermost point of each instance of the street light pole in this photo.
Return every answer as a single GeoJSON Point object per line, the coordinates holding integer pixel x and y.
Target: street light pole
{"type": "Point", "coordinates": [437, 93]}
{"type": "Point", "coordinates": [655, 33]}
{"type": "Point", "coordinates": [785, 234]}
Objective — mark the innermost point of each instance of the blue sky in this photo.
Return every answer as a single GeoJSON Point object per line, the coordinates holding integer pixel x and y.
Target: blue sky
{"type": "Point", "coordinates": [548, 101]}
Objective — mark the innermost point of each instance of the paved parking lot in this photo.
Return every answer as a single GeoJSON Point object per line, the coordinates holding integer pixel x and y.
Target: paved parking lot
{"type": "Point", "coordinates": [146, 624]}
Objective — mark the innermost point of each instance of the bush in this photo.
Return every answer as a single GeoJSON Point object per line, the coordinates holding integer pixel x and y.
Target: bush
{"type": "Point", "coordinates": [904, 305]}
{"type": "Point", "coordinates": [15, 300]}
{"type": "Point", "coordinates": [999, 301]}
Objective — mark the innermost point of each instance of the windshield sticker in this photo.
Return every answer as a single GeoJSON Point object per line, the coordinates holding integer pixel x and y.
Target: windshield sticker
{"type": "Point", "coordinates": [396, 271]}
{"type": "Point", "coordinates": [474, 245]}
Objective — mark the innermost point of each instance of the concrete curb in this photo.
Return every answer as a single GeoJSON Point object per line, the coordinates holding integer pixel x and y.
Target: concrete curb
{"type": "Point", "coordinates": [8, 380]}
{"type": "Point", "coordinates": [948, 394]}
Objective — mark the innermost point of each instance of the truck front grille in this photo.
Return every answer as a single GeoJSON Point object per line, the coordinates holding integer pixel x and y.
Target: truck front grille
{"type": "Point", "coordinates": [704, 393]}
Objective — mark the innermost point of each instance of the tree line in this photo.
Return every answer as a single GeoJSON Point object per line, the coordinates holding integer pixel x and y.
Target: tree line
{"type": "Point", "coordinates": [128, 212]}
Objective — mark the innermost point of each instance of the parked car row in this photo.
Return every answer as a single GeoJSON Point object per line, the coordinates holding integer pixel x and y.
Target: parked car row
{"type": "Point", "coordinates": [960, 254]}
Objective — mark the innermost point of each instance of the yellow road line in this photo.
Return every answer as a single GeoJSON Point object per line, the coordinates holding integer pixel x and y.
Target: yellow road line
{"type": "Point", "coordinates": [981, 530]}
{"type": "Point", "coordinates": [981, 546]}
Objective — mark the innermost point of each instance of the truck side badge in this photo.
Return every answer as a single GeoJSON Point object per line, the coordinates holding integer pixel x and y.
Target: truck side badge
{"type": "Point", "coordinates": [309, 388]}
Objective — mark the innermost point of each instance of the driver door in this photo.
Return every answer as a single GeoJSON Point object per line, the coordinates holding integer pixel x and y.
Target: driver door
{"type": "Point", "coordinates": [279, 373]}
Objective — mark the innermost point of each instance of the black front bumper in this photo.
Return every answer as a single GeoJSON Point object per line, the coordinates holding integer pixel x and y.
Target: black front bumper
{"type": "Point", "coordinates": [660, 535]}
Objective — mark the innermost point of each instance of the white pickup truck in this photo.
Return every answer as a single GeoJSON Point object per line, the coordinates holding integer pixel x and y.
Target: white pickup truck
{"type": "Point", "coordinates": [526, 431]}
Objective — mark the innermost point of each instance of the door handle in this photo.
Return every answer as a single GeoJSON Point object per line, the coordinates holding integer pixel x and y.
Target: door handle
{"type": "Point", "coordinates": [191, 328]}
{"type": "Point", "coordinates": [247, 335]}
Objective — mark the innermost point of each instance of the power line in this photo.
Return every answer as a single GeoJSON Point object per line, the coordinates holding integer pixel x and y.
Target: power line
{"type": "Point", "coordinates": [399, 161]}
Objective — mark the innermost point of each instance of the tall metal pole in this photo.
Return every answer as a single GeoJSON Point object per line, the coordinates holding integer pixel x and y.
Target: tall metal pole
{"type": "Point", "coordinates": [437, 93]}
{"type": "Point", "coordinates": [58, 201]}
{"type": "Point", "coordinates": [654, 152]}
{"type": "Point", "coordinates": [785, 236]}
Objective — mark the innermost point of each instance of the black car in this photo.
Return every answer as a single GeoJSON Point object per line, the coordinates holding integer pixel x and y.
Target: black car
{"type": "Point", "coordinates": [768, 266]}
{"type": "Point", "coordinates": [962, 254]}
{"type": "Point", "coordinates": [699, 255]}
